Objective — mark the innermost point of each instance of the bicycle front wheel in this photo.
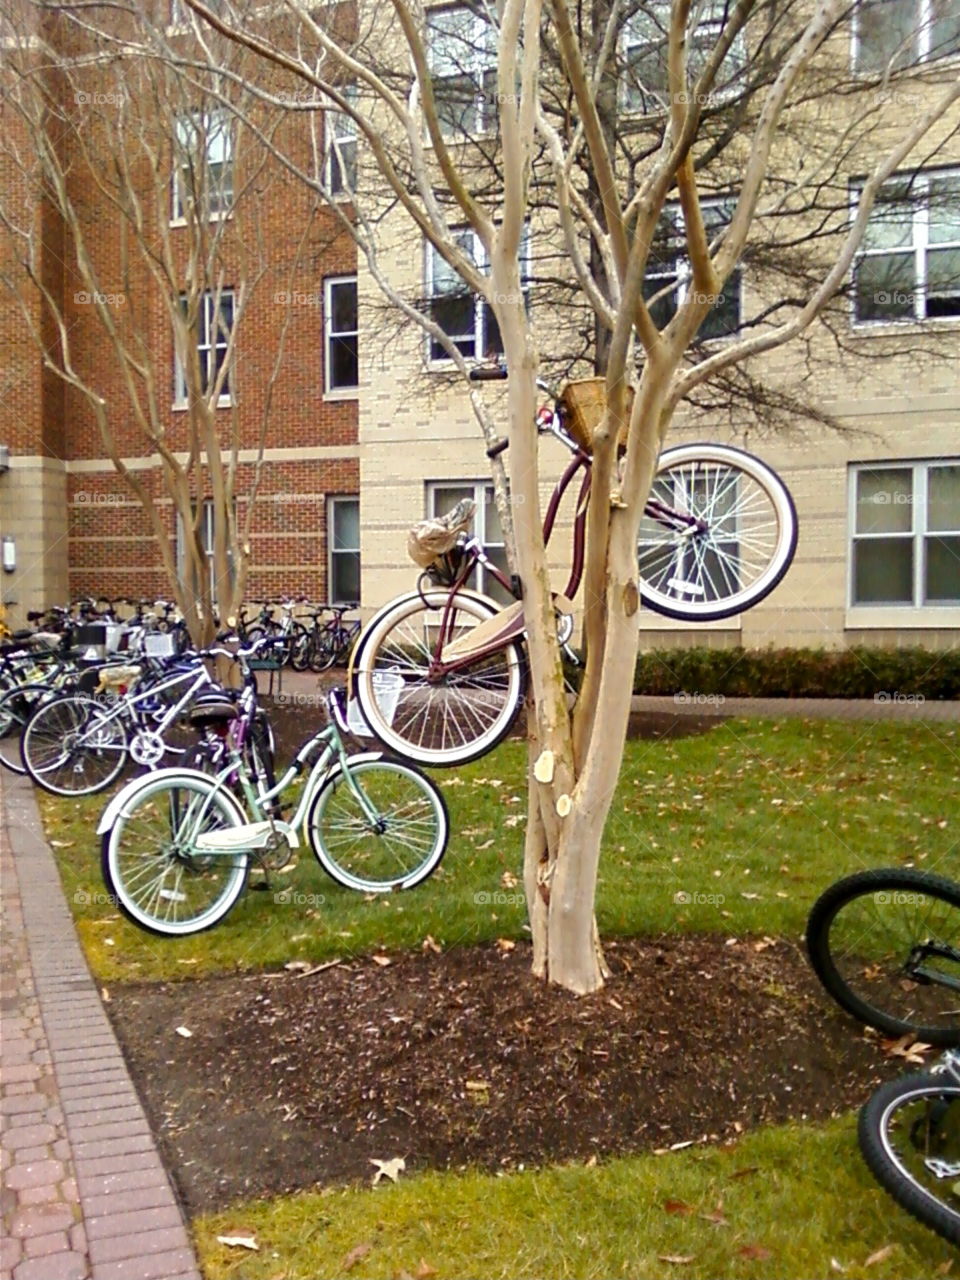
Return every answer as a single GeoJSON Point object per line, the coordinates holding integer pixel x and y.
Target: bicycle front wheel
{"type": "Point", "coordinates": [17, 705]}
{"type": "Point", "coordinates": [385, 827]}
{"type": "Point", "coordinates": [442, 721]}
{"type": "Point", "coordinates": [73, 746]}
{"type": "Point", "coordinates": [909, 1133]}
{"type": "Point", "coordinates": [886, 945]}
{"type": "Point", "coordinates": [718, 533]}
{"type": "Point", "coordinates": [151, 864]}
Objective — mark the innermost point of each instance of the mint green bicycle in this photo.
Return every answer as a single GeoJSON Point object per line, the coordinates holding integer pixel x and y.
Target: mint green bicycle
{"type": "Point", "coordinates": [177, 844]}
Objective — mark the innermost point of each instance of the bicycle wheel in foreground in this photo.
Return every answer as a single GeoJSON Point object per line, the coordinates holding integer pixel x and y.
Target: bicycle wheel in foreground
{"type": "Point", "coordinates": [441, 721]}
{"type": "Point", "coordinates": [392, 839]}
{"type": "Point", "coordinates": [909, 1134]}
{"type": "Point", "coordinates": [886, 945]}
{"type": "Point", "coordinates": [740, 546]}
{"type": "Point", "coordinates": [150, 862]}
{"type": "Point", "coordinates": [73, 746]}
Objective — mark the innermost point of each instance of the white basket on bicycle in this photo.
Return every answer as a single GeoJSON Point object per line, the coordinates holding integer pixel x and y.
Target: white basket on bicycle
{"type": "Point", "coordinates": [158, 644]}
{"type": "Point", "coordinates": [387, 686]}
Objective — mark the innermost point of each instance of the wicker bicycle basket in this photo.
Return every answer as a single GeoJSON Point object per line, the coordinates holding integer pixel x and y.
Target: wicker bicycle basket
{"type": "Point", "coordinates": [583, 403]}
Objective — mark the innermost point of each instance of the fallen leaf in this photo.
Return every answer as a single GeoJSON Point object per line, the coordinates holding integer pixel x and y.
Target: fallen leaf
{"type": "Point", "coordinates": [185, 1032]}
{"type": "Point", "coordinates": [680, 1259]}
{"type": "Point", "coordinates": [63, 844]}
{"type": "Point", "coordinates": [486, 844]}
{"type": "Point", "coordinates": [505, 944]}
{"type": "Point", "coordinates": [391, 1169]}
{"type": "Point", "coordinates": [477, 1084]}
{"type": "Point", "coordinates": [424, 1270]}
{"type": "Point", "coordinates": [105, 995]}
{"type": "Point", "coordinates": [837, 1266]}
{"type": "Point", "coordinates": [382, 961]}
{"type": "Point", "coordinates": [297, 966]}
{"type": "Point", "coordinates": [246, 1241]}
{"type": "Point", "coordinates": [430, 944]}
{"type": "Point", "coordinates": [508, 879]}
{"type": "Point", "coordinates": [356, 1253]}
{"type": "Point", "coordinates": [754, 1251]}
{"type": "Point", "coordinates": [677, 1206]}
{"type": "Point", "coordinates": [945, 1267]}
{"type": "Point", "coordinates": [881, 1255]}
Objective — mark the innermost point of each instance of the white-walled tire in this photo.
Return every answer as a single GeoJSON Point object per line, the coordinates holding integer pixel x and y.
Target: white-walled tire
{"type": "Point", "coordinates": [744, 543]}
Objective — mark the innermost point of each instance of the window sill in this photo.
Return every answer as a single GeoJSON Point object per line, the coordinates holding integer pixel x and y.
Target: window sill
{"type": "Point", "coordinates": [342, 393]}
{"type": "Point", "coordinates": [896, 328]}
{"type": "Point", "coordinates": [894, 616]}
{"type": "Point", "coordinates": [181, 406]}
{"type": "Point", "coordinates": [211, 217]}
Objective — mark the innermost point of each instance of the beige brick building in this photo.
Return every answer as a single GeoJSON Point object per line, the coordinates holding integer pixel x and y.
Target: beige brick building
{"type": "Point", "coordinates": [368, 431]}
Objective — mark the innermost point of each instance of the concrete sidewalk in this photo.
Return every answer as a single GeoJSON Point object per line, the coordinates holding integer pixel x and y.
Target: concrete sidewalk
{"type": "Point", "coordinates": [84, 1194]}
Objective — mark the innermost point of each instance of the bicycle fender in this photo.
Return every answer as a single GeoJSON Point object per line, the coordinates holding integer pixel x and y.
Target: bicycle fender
{"type": "Point", "coordinates": [133, 788]}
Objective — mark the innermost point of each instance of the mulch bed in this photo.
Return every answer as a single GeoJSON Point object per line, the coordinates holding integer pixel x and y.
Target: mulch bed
{"type": "Point", "coordinates": [295, 1080]}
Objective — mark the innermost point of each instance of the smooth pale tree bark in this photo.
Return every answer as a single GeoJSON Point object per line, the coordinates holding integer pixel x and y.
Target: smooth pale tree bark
{"type": "Point", "coordinates": [597, 215]}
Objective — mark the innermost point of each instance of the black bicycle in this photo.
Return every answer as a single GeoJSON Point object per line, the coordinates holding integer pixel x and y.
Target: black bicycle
{"type": "Point", "coordinates": [886, 945]}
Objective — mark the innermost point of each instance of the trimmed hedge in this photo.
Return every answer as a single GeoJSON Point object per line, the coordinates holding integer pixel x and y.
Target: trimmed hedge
{"type": "Point", "coordinates": [801, 673]}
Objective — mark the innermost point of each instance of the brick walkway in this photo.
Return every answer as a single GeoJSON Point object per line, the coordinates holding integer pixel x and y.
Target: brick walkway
{"type": "Point", "coordinates": [84, 1193]}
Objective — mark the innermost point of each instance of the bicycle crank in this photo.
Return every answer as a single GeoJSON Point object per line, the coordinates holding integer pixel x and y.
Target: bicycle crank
{"type": "Point", "coordinates": [147, 748]}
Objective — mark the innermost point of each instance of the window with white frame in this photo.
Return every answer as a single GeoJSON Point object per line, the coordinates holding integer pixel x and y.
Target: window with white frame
{"type": "Point", "coordinates": [340, 334]}
{"type": "Point", "coordinates": [892, 34]}
{"type": "Point", "coordinates": [343, 550]}
{"type": "Point", "coordinates": [443, 496]}
{"type": "Point", "coordinates": [207, 543]}
{"type": "Point", "coordinates": [644, 39]}
{"type": "Point", "coordinates": [905, 534]}
{"type": "Point", "coordinates": [341, 154]}
{"type": "Point", "coordinates": [203, 164]}
{"type": "Point", "coordinates": [668, 278]}
{"type": "Point", "coordinates": [214, 323]}
{"type": "Point", "coordinates": [462, 50]}
{"type": "Point", "coordinates": [465, 317]}
{"type": "Point", "coordinates": [908, 267]}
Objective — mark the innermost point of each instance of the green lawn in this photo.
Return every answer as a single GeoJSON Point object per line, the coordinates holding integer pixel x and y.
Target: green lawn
{"type": "Point", "coordinates": [735, 831]}
{"type": "Point", "coordinates": [784, 1203]}
{"type": "Point", "coordinates": [760, 814]}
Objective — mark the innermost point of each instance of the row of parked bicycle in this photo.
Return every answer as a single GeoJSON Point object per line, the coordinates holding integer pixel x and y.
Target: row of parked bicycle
{"type": "Point", "coordinates": [307, 636]}
{"type": "Point", "coordinates": [178, 841]}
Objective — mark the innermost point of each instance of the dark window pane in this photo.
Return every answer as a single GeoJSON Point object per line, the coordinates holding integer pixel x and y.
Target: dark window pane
{"type": "Point", "coordinates": [887, 34]}
{"type": "Point", "coordinates": [346, 525]}
{"type": "Point", "coordinates": [346, 576]}
{"type": "Point", "coordinates": [723, 319]}
{"type": "Point", "coordinates": [456, 316]}
{"type": "Point", "coordinates": [945, 32]}
{"type": "Point", "coordinates": [884, 500]}
{"type": "Point", "coordinates": [943, 499]}
{"type": "Point", "coordinates": [492, 341]}
{"type": "Point", "coordinates": [344, 366]}
{"type": "Point", "coordinates": [943, 282]}
{"type": "Point", "coordinates": [457, 99]}
{"type": "Point", "coordinates": [884, 287]}
{"type": "Point", "coordinates": [883, 571]}
{"type": "Point", "coordinates": [665, 308]}
{"type": "Point", "coordinates": [343, 307]}
{"type": "Point", "coordinates": [942, 585]}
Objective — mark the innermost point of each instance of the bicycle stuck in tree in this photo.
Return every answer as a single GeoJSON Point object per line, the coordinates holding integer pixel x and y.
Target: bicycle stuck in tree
{"type": "Point", "coordinates": [439, 673]}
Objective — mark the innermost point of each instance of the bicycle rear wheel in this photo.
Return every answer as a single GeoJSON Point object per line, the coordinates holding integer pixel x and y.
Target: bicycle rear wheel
{"type": "Point", "coordinates": [73, 746]}
{"type": "Point", "coordinates": [150, 863]}
{"type": "Point", "coordinates": [886, 945]}
{"type": "Point", "coordinates": [436, 722]}
{"type": "Point", "coordinates": [393, 838]}
{"type": "Point", "coordinates": [718, 534]}
{"type": "Point", "coordinates": [909, 1134]}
